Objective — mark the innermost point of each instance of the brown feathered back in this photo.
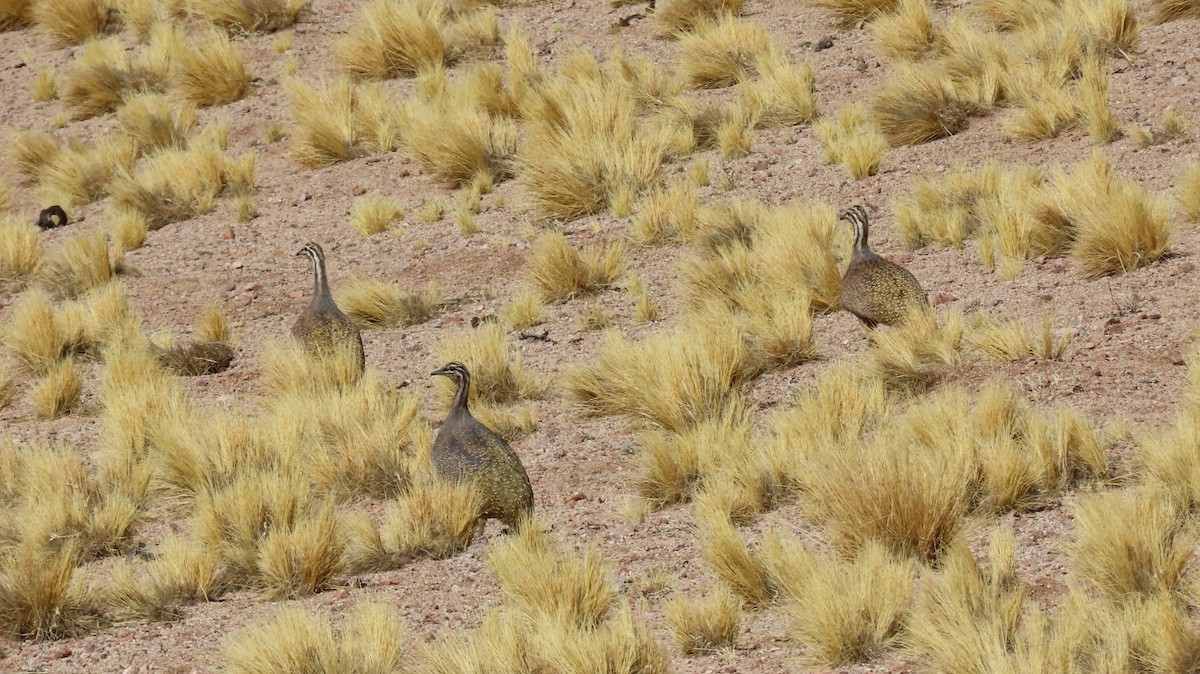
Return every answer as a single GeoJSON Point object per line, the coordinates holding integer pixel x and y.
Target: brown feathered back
{"type": "Point", "coordinates": [873, 288]}
{"type": "Point", "coordinates": [465, 450]}
{"type": "Point", "coordinates": [322, 327]}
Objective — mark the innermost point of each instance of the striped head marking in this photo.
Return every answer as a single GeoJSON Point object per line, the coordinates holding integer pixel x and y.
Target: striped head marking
{"type": "Point", "coordinates": [457, 373]}
{"type": "Point", "coordinates": [314, 253]}
{"type": "Point", "coordinates": [857, 217]}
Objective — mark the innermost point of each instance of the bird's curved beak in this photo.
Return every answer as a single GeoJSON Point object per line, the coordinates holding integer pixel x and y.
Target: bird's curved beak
{"type": "Point", "coordinates": [441, 371]}
{"type": "Point", "coordinates": [300, 252]}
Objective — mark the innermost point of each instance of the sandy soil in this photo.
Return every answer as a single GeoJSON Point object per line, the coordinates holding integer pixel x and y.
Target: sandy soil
{"type": "Point", "coordinates": [581, 467]}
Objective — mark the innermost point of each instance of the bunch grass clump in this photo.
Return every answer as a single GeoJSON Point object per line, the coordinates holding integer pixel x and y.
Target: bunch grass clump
{"type": "Point", "coordinates": [42, 595]}
{"type": "Point", "coordinates": [1116, 226]}
{"type": "Point", "coordinates": [846, 610]}
{"type": "Point", "coordinates": [210, 71]}
{"type": "Point", "coordinates": [707, 623]}
{"type": "Point", "coordinates": [70, 22]}
{"type": "Point", "coordinates": [20, 249]}
{"type": "Point", "coordinates": [541, 579]}
{"type": "Point", "coordinates": [459, 141]}
{"type": "Point", "coordinates": [370, 641]}
{"type": "Point", "coordinates": [1187, 189]}
{"type": "Point", "coordinates": [852, 140]}
{"type": "Point", "coordinates": [81, 263]}
{"type": "Point", "coordinates": [850, 12]}
{"type": "Point", "coordinates": [721, 52]}
{"type": "Point", "coordinates": [673, 380]}
{"type": "Point", "coordinates": [917, 106]}
{"type": "Point", "coordinates": [560, 271]}
{"type": "Point", "coordinates": [57, 393]}
{"type": "Point", "coordinates": [675, 17]}
{"type": "Point", "coordinates": [371, 304]}
{"type": "Point", "coordinates": [1130, 544]}
{"type": "Point", "coordinates": [175, 184]}
{"type": "Point", "coordinates": [253, 16]}
{"type": "Point", "coordinates": [1011, 340]}
{"type": "Point", "coordinates": [374, 214]}
{"type": "Point", "coordinates": [103, 75]}
{"type": "Point", "coordinates": [325, 131]}
{"type": "Point", "coordinates": [590, 144]}
{"type": "Point", "coordinates": [497, 375]}
{"type": "Point", "coordinates": [1174, 10]}
{"type": "Point", "coordinates": [152, 122]}
{"type": "Point", "coordinates": [395, 38]}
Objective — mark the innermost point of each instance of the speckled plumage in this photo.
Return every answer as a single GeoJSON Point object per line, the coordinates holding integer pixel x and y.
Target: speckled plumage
{"type": "Point", "coordinates": [466, 450]}
{"type": "Point", "coordinates": [322, 327]}
{"type": "Point", "coordinates": [873, 288]}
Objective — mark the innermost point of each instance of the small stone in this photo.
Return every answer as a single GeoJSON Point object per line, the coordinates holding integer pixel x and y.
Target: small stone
{"type": "Point", "coordinates": [239, 264]}
{"type": "Point", "coordinates": [227, 234]}
{"type": "Point", "coordinates": [861, 66]}
{"type": "Point", "coordinates": [61, 653]}
{"type": "Point", "coordinates": [341, 594]}
{"type": "Point", "coordinates": [358, 190]}
{"type": "Point", "coordinates": [576, 497]}
{"type": "Point", "coordinates": [250, 287]}
{"type": "Point", "coordinates": [761, 165]}
{"type": "Point", "coordinates": [823, 42]}
{"type": "Point", "coordinates": [942, 298]}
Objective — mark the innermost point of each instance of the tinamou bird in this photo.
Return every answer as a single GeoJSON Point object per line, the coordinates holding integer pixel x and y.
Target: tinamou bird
{"type": "Point", "coordinates": [467, 451]}
{"type": "Point", "coordinates": [323, 329]}
{"type": "Point", "coordinates": [873, 288]}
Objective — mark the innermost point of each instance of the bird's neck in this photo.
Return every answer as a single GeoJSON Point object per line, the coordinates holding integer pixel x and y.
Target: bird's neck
{"type": "Point", "coordinates": [320, 282]}
{"type": "Point", "coordinates": [461, 393]}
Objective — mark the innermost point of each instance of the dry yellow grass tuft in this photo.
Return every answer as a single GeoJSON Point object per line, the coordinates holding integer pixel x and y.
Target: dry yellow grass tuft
{"type": "Point", "coordinates": [497, 374]}
{"type": "Point", "coordinates": [588, 144]}
{"type": "Point", "coordinates": [432, 519]}
{"type": "Point", "coordinates": [852, 140]}
{"type": "Point", "coordinates": [210, 71]}
{"type": "Point", "coordinates": [248, 15]}
{"type": "Point", "coordinates": [967, 619]}
{"type": "Point", "coordinates": [673, 380]}
{"type": "Point", "coordinates": [32, 150]}
{"type": "Point", "coordinates": [1174, 10]}
{"type": "Point", "coordinates": [173, 185]}
{"type": "Point", "coordinates": [80, 263]}
{"type": "Point", "coordinates": [373, 214]}
{"type": "Point", "coordinates": [706, 623]}
{"type": "Point", "coordinates": [20, 249]}
{"type": "Point", "coordinates": [1116, 226]}
{"type": "Point", "coordinates": [39, 336]}
{"type": "Point", "coordinates": [325, 130]}
{"type": "Point", "coordinates": [80, 174]}
{"type": "Point", "coordinates": [725, 551]}
{"type": "Point", "coordinates": [1094, 85]}
{"type": "Point", "coordinates": [850, 12]}
{"type": "Point", "coordinates": [128, 229]}
{"type": "Point", "coordinates": [42, 596]}
{"type": "Point", "coordinates": [153, 123]}
{"type": "Point", "coordinates": [1187, 188]}
{"type": "Point", "coordinates": [57, 393]}
{"type": "Point", "coordinates": [70, 22]}
{"type": "Point", "coordinates": [559, 271]}
{"type": "Point", "coordinates": [845, 610]}
{"type": "Point", "coordinates": [916, 354]}
{"type": "Point", "coordinates": [917, 105]}
{"type": "Point", "coordinates": [1130, 544]}
{"type": "Point", "coordinates": [906, 32]}
{"type": "Point", "coordinates": [524, 311]}
{"type": "Point", "coordinates": [721, 52]}
{"type": "Point", "coordinates": [674, 17]}
{"type": "Point", "coordinates": [395, 38]}
{"type": "Point", "coordinates": [370, 641]}
{"type": "Point", "coordinates": [373, 304]}
{"type": "Point", "coordinates": [543, 580]}
{"type": "Point", "coordinates": [457, 140]}
{"type": "Point", "coordinates": [44, 87]}
{"type": "Point", "coordinates": [103, 75]}
{"type": "Point", "coordinates": [15, 14]}
{"type": "Point", "coordinates": [1011, 340]}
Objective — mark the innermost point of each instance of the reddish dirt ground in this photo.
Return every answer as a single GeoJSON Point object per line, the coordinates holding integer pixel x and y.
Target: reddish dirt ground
{"type": "Point", "coordinates": [582, 467]}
